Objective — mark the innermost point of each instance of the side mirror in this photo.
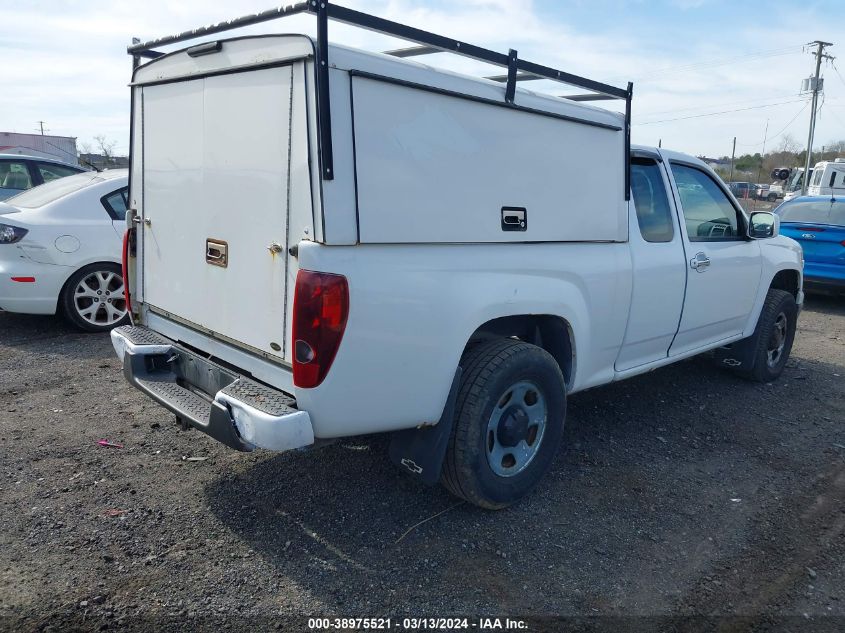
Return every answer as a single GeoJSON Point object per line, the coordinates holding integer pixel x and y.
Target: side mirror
{"type": "Point", "coordinates": [762, 225]}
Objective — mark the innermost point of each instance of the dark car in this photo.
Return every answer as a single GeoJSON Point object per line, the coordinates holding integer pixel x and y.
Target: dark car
{"type": "Point", "coordinates": [818, 224]}
{"type": "Point", "coordinates": [743, 189]}
{"type": "Point", "coordinates": [18, 172]}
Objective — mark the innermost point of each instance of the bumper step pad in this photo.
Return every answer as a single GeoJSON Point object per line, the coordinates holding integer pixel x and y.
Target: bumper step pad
{"type": "Point", "coordinates": [184, 399]}
{"type": "Point", "coordinates": [259, 397]}
{"type": "Point", "coordinates": [141, 335]}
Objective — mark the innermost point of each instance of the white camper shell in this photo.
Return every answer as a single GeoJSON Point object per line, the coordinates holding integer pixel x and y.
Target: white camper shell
{"type": "Point", "coordinates": [224, 144]}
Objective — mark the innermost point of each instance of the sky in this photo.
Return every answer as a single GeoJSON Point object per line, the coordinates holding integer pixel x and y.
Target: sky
{"type": "Point", "coordinates": [704, 71]}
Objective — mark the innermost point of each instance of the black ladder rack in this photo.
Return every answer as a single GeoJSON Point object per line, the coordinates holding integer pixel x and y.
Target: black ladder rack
{"type": "Point", "coordinates": [518, 69]}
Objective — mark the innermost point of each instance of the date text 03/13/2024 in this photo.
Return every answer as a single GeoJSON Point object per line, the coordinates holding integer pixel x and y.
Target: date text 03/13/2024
{"type": "Point", "coordinates": [417, 624]}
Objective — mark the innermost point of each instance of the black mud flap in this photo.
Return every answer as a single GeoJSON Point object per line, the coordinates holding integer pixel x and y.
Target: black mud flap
{"type": "Point", "coordinates": [421, 451]}
{"type": "Point", "coordinates": [738, 356]}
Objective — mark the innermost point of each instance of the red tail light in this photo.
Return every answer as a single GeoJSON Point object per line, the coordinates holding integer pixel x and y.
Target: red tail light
{"type": "Point", "coordinates": [320, 308]}
{"type": "Point", "coordinates": [124, 267]}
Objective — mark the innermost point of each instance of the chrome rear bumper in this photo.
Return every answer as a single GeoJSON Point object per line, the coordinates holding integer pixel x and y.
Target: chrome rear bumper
{"type": "Point", "coordinates": [233, 409]}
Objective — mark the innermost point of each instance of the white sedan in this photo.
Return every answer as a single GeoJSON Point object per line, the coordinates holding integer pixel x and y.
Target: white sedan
{"type": "Point", "coordinates": [60, 250]}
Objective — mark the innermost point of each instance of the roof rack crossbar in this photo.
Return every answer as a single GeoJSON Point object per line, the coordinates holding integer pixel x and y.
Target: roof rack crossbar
{"type": "Point", "coordinates": [519, 77]}
{"type": "Point", "coordinates": [150, 54]}
{"type": "Point", "coordinates": [428, 43]}
{"type": "Point", "coordinates": [588, 97]}
{"type": "Point", "coordinates": [413, 51]}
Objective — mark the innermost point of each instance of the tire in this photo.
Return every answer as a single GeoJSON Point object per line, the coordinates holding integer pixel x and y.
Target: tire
{"type": "Point", "coordinates": [93, 298]}
{"type": "Point", "coordinates": [508, 425]}
{"type": "Point", "coordinates": [772, 340]}
{"type": "Point", "coordinates": [772, 197]}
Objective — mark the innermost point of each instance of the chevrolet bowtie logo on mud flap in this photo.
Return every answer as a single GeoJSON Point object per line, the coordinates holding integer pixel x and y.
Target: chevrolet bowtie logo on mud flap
{"type": "Point", "coordinates": [731, 362]}
{"type": "Point", "coordinates": [411, 465]}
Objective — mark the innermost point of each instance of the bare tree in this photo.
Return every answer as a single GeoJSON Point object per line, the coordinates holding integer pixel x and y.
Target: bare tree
{"type": "Point", "coordinates": [789, 145]}
{"type": "Point", "coordinates": [85, 155]}
{"type": "Point", "coordinates": [106, 147]}
{"type": "Point", "coordinates": [837, 146]}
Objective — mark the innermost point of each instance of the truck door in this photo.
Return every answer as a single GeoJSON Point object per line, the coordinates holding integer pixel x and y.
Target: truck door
{"type": "Point", "coordinates": [723, 265]}
{"type": "Point", "coordinates": [659, 271]}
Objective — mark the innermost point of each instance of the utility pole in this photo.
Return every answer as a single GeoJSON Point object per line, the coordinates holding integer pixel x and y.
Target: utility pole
{"type": "Point", "coordinates": [819, 53]}
{"type": "Point", "coordinates": [733, 154]}
{"type": "Point", "coordinates": [41, 123]}
{"type": "Point", "coordinates": [762, 158]}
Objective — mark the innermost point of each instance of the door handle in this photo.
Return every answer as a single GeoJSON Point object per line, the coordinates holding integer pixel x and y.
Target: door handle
{"type": "Point", "coordinates": [217, 252]}
{"type": "Point", "coordinates": [700, 262]}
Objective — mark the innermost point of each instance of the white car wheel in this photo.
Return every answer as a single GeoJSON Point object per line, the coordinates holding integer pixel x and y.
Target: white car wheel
{"type": "Point", "coordinates": [94, 298]}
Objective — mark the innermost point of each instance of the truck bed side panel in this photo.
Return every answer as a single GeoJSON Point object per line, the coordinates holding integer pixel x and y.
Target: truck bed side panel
{"type": "Point", "coordinates": [414, 307]}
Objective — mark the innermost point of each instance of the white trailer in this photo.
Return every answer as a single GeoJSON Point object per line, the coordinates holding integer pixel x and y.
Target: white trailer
{"type": "Point", "coordinates": [828, 178]}
{"type": "Point", "coordinates": [325, 242]}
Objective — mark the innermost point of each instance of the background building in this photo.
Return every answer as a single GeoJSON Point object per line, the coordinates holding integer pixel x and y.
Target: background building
{"type": "Point", "coordinates": [61, 148]}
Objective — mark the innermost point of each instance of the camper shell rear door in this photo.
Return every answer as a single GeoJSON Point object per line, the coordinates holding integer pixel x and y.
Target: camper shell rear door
{"type": "Point", "coordinates": [222, 187]}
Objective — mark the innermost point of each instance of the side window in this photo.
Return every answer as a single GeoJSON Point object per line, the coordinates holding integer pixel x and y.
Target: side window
{"type": "Point", "coordinates": [837, 212]}
{"type": "Point", "coordinates": [52, 172]}
{"type": "Point", "coordinates": [708, 214]}
{"type": "Point", "coordinates": [116, 203]}
{"type": "Point", "coordinates": [650, 199]}
{"type": "Point", "coordinates": [14, 175]}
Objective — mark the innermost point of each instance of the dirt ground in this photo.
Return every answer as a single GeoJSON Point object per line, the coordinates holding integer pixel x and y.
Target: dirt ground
{"type": "Point", "coordinates": [684, 499]}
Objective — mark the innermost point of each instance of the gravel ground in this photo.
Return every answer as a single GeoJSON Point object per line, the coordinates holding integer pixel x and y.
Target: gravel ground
{"type": "Point", "coordinates": [679, 494]}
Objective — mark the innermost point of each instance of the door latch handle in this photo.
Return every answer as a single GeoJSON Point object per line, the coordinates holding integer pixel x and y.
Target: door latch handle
{"type": "Point", "coordinates": [700, 262]}
{"type": "Point", "coordinates": [217, 252]}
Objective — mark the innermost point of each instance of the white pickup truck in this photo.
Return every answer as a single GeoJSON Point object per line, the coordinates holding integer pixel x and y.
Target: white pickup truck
{"type": "Point", "coordinates": [324, 243]}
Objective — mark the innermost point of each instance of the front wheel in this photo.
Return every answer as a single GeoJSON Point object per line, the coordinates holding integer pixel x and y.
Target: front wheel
{"type": "Point", "coordinates": [772, 340]}
{"type": "Point", "coordinates": [508, 425]}
{"type": "Point", "coordinates": [94, 299]}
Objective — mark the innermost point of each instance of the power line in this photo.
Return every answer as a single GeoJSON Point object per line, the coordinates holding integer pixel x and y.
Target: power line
{"type": "Point", "coordinates": [749, 57]}
{"type": "Point", "coordinates": [698, 116]}
{"type": "Point", "coordinates": [835, 116]}
{"type": "Point", "coordinates": [785, 128]}
{"type": "Point", "coordinates": [719, 105]}
{"type": "Point", "coordinates": [838, 74]}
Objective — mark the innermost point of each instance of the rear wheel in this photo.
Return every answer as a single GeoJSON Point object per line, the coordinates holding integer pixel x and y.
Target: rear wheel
{"type": "Point", "coordinates": [509, 419]}
{"type": "Point", "coordinates": [94, 299]}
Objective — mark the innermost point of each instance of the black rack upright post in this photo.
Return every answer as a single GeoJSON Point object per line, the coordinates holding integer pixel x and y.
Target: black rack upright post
{"type": "Point", "coordinates": [323, 104]}
{"type": "Point", "coordinates": [510, 90]}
